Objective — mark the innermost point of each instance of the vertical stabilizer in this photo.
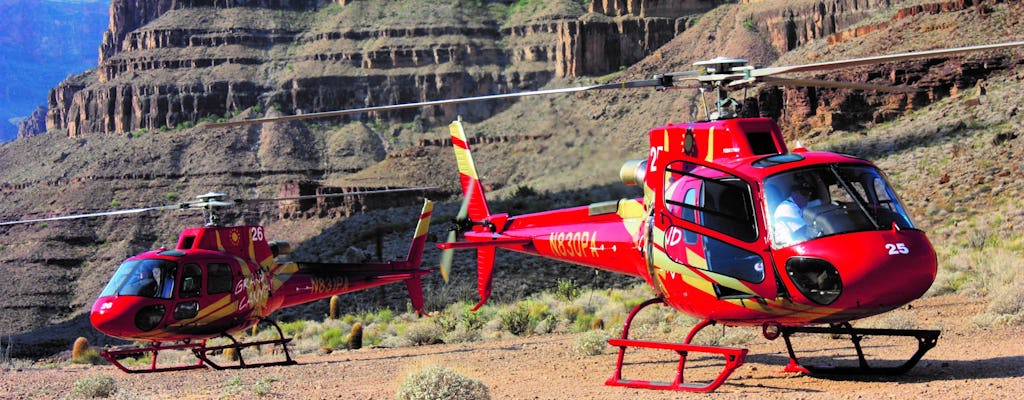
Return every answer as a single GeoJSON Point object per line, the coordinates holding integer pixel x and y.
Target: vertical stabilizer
{"type": "Point", "coordinates": [472, 190]}
{"type": "Point", "coordinates": [419, 239]}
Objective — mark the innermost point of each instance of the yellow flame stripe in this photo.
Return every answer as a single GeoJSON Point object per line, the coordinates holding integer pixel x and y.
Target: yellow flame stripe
{"type": "Point", "coordinates": [711, 144]}
{"type": "Point", "coordinates": [462, 156]}
{"type": "Point", "coordinates": [424, 224]}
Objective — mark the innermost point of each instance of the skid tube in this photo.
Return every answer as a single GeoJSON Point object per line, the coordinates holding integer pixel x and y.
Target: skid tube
{"type": "Point", "coordinates": [733, 357]}
{"type": "Point", "coordinates": [201, 352]}
{"type": "Point", "coordinates": [115, 355]}
{"type": "Point", "coordinates": [926, 339]}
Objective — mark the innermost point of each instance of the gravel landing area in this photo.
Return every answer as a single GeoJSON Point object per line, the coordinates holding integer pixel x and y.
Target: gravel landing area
{"type": "Point", "coordinates": [968, 363]}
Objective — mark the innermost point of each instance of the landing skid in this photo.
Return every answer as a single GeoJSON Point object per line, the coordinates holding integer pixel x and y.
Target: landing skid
{"type": "Point", "coordinates": [733, 357]}
{"type": "Point", "coordinates": [202, 353]}
{"type": "Point", "coordinates": [926, 339]}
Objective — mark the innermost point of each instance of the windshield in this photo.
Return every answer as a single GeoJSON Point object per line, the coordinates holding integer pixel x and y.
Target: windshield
{"type": "Point", "coordinates": [830, 200]}
{"type": "Point", "coordinates": [148, 278]}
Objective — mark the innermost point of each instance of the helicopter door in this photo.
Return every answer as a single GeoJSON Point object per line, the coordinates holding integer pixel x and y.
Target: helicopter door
{"type": "Point", "coordinates": [710, 227]}
{"type": "Point", "coordinates": [191, 283]}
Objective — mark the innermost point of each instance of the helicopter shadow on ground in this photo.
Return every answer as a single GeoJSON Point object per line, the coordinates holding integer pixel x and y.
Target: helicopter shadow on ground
{"type": "Point", "coordinates": [926, 370]}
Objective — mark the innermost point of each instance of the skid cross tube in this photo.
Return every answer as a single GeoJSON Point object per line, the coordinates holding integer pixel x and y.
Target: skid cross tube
{"type": "Point", "coordinates": [926, 339]}
{"type": "Point", "coordinates": [733, 357]}
{"type": "Point", "coordinates": [201, 352]}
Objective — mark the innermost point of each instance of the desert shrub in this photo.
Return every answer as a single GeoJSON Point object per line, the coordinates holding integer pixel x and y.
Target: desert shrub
{"type": "Point", "coordinates": [516, 320]}
{"type": "Point", "coordinates": [425, 332]}
{"type": "Point", "coordinates": [590, 343]}
{"type": "Point", "coordinates": [395, 341]}
{"type": "Point", "coordinates": [333, 338]}
{"type": "Point", "coordinates": [459, 325]}
{"type": "Point", "coordinates": [567, 289]}
{"type": "Point", "coordinates": [294, 328]}
{"type": "Point", "coordinates": [582, 323]}
{"type": "Point", "coordinates": [461, 334]}
{"type": "Point", "coordinates": [572, 312]}
{"type": "Point", "coordinates": [1006, 306]}
{"type": "Point", "coordinates": [94, 387]}
{"type": "Point", "coordinates": [262, 386]}
{"type": "Point", "coordinates": [441, 383]}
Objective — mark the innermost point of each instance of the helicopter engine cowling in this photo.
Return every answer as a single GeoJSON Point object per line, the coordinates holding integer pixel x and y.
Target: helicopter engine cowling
{"type": "Point", "coordinates": [279, 247]}
{"type": "Point", "coordinates": [633, 171]}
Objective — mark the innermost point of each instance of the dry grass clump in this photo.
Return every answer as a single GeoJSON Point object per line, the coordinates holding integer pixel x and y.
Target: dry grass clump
{"type": "Point", "coordinates": [99, 386]}
{"type": "Point", "coordinates": [990, 272]}
{"type": "Point", "coordinates": [441, 383]}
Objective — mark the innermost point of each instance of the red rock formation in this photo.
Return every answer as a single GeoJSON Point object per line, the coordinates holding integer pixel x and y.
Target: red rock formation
{"type": "Point", "coordinates": [34, 124]}
{"type": "Point", "coordinates": [652, 8]}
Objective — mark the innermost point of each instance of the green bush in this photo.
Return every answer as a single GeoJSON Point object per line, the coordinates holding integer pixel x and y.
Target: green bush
{"type": "Point", "coordinates": [582, 323]}
{"type": "Point", "coordinates": [441, 383]}
{"type": "Point", "coordinates": [567, 289]}
{"type": "Point", "coordinates": [94, 387]}
{"type": "Point", "coordinates": [333, 338]}
{"type": "Point", "coordinates": [516, 320]}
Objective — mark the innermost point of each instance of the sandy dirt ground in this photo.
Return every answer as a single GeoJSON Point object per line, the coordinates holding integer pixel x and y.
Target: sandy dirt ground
{"type": "Point", "coordinates": [968, 363]}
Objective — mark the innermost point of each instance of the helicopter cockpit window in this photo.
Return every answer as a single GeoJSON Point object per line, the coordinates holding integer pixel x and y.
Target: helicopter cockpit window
{"type": "Point", "coordinates": [830, 200]}
{"type": "Point", "coordinates": [148, 278]}
{"type": "Point", "coordinates": [723, 201]}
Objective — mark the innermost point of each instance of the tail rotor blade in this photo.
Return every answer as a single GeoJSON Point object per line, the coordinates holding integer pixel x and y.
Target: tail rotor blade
{"type": "Point", "coordinates": [446, 257]}
{"type": "Point", "coordinates": [448, 254]}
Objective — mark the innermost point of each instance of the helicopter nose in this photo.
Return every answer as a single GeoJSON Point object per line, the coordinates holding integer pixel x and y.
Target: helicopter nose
{"type": "Point", "coordinates": [899, 268]}
{"type": "Point", "coordinates": [104, 317]}
{"type": "Point", "coordinates": [864, 273]}
{"type": "Point", "coordinates": [126, 317]}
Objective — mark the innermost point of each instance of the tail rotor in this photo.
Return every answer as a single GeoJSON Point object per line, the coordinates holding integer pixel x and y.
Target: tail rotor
{"type": "Point", "coordinates": [459, 224]}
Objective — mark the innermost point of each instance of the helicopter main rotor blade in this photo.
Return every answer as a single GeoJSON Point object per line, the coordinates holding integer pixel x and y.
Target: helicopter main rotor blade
{"type": "Point", "coordinates": [317, 196]}
{"type": "Point", "coordinates": [834, 84]}
{"type": "Point", "coordinates": [325, 114]}
{"type": "Point", "coordinates": [181, 206]}
{"type": "Point", "coordinates": [761, 72]}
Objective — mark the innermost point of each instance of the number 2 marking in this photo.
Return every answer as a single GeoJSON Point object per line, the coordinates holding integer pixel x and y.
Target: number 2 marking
{"type": "Point", "coordinates": [897, 248]}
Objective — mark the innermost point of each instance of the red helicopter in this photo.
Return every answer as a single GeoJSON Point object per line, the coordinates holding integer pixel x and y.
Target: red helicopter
{"type": "Point", "coordinates": [219, 280]}
{"type": "Point", "coordinates": [734, 227]}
